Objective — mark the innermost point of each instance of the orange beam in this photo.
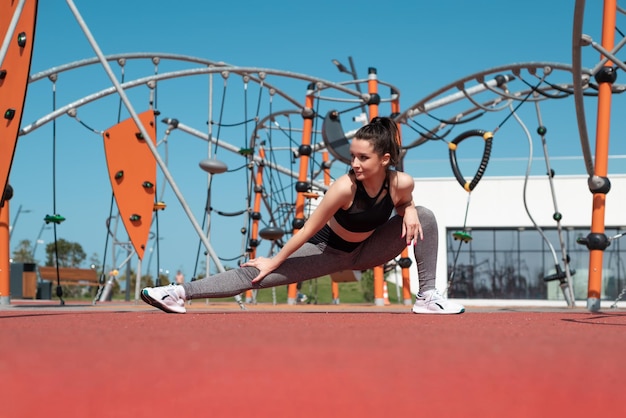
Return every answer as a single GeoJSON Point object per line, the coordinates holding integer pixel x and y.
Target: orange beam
{"type": "Point", "coordinates": [14, 73]}
{"type": "Point", "coordinates": [307, 131]}
{"type": "Point", "coordinates": [601, 159]}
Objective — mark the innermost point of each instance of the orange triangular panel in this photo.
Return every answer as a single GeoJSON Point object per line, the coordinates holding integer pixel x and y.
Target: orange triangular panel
{"type": "Point", "coordinates": [132, 171]}
{"type": "Point", "coordinates": [14, 71]}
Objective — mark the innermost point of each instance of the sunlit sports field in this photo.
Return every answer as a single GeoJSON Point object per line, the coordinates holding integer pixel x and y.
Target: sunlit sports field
{"type": "Point", "coordinates": [93, 358]}
{"type": "Point", "coordinates": [126, 359]}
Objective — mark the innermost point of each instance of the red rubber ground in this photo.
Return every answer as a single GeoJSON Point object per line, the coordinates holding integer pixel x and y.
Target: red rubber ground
{"type": "Point", "coordinates": [130, 360]}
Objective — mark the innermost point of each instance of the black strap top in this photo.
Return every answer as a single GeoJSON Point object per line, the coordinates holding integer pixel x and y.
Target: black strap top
{"type": "Point", "coordinates": [366, 213]}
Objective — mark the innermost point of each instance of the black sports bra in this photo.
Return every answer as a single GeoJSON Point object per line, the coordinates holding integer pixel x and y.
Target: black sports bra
{"type": "Point", "coordinates": [366, 213]}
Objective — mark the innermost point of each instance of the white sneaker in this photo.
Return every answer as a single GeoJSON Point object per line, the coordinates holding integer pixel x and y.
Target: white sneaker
{"type": "Point", "coordinates": [165, 298]}
{"type": "Point", "coordinates": [431, 302]}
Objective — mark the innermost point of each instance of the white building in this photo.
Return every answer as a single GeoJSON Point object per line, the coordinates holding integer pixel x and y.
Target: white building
{"type": "Point", "coordinates": [508, 256]}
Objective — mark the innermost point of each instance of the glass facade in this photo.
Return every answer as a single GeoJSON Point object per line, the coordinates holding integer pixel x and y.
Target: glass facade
{"type": "Point", "coordinates": [513, 263]}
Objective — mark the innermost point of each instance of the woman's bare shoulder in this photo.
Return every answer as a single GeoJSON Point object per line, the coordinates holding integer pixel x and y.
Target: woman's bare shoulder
{"type": "Point", "coordinates": [401, 180]}
{"type": "Point", "coordinates": [344, 184]}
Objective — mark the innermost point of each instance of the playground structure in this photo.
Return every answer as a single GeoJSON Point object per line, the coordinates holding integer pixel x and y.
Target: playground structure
{"type": "Point", "coordinates": [287, 138]}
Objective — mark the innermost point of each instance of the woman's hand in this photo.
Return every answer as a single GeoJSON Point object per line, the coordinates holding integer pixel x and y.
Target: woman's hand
{"type": "Point", "coordinates": [265, 266]}
{"type": "Point", "coordinates": [411, 227]}
{"type": "Point", "coordinates": [339, 194]}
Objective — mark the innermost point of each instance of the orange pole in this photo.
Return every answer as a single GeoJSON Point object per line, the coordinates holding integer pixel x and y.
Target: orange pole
{"type": "Point", "coordinates": [326, 168]}
{"type": "Point", "coordinates": [379, 273]}
{"type": "Point", "coordinates": [602, 158]}
{"type": "Point", "coordinates": [307, 131]}
{"type": "Point", "coordinates": [406, 273]}
{"type": "Point", "coordinates": [258, 192]}
{"type": "Point", "coordinates": [372, 89]}
{"type": "Point", "coordinates": [334, 285]}
{"type": "Point", "coordinates": [5, 266]}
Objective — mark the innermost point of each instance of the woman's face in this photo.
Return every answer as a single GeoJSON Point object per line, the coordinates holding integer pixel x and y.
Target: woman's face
{"type": "Point", "coordinates": [365, 162]}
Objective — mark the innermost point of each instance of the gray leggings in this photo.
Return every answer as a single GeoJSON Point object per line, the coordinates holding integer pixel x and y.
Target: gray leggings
{"type": "Point", "coordinates": [317, 260]}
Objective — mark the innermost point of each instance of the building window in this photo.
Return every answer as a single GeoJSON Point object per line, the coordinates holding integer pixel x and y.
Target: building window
{"type": "Point", "coordinates": [514, 263]}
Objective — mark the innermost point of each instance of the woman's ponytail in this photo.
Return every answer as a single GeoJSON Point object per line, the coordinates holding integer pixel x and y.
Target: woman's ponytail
{"type": "Point", "coordinates": [384, 135]}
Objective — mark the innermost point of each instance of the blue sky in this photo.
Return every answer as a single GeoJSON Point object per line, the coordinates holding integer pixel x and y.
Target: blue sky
{"type": "Point", "coordinates": [418, 47]}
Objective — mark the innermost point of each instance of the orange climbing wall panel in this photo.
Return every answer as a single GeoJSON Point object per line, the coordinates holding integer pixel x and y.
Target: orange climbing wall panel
{"type": "Point", "coordinates": [132, 171]}
{"type": "Point", "coordinates": [14, 72]}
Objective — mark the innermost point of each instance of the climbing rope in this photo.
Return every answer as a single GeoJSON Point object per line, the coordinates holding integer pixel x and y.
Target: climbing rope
{"type": "Point", "coordinates": [101, 280]}
{"type": "Point", "coordinates": [623, 291]}
{"type": "Point", "coordinates": [56, 219]}
{"type": "Point", "coordinates": [562, 276]}
{"type": "Point", "coordinates": [463, 237]}
{"type": "Point", "coordinates": [619, 298]}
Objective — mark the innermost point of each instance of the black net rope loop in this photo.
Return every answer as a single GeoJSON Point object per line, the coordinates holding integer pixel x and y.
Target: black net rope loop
{"type": "Point", "coordinates": [488, 137]}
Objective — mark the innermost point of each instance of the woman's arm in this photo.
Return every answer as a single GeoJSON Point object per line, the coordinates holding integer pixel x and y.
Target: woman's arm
{"type": "Point", "coordinates": [403, 202]}
{"type": "Point", "coordinates": [338, 195]}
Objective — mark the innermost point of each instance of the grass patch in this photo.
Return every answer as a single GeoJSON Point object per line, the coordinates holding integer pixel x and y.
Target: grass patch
{"type": "Point", "coordinates": [318, 291]}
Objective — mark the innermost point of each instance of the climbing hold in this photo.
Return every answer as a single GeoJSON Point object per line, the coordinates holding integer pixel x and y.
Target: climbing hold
{"type": "Point", "coordinates": [271, 233]}
{"type": "Point", "coordinates": [57, 219]}
{"type": "Point", "coordinates": [213, 166]}
{"type": "Point", "coordinates": [9, 114]}
{"type": "Point", "coordinates": [462, 235]}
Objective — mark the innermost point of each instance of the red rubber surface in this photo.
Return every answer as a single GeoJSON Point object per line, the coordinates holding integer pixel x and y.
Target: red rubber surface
{"type": "Point", "coordinates": [218, 361]}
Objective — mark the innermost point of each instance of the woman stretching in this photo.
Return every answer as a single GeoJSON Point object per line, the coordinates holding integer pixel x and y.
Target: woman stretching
{"type": "Point", "coordinates": [351, 229]}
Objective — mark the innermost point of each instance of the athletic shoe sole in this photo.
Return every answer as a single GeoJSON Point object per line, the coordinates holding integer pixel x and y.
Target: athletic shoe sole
{"type": "Point", "coordinates": [152, 302]}
{"type": "Point", "coordinates": [439, 312]}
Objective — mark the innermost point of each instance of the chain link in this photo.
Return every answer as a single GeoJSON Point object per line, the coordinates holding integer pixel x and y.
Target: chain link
{"type": "Point", "coordinates": [619, 297]}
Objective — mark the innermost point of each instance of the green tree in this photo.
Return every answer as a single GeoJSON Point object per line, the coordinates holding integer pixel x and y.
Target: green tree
{"type": "Point", "coordinates": [146, 281]}
{"type": "Point", "coordinates": [94, 262]}
{"type": "Point", "coordinates": [68, 254]}
{"type": "Point", "coordinates": [24, 252]}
